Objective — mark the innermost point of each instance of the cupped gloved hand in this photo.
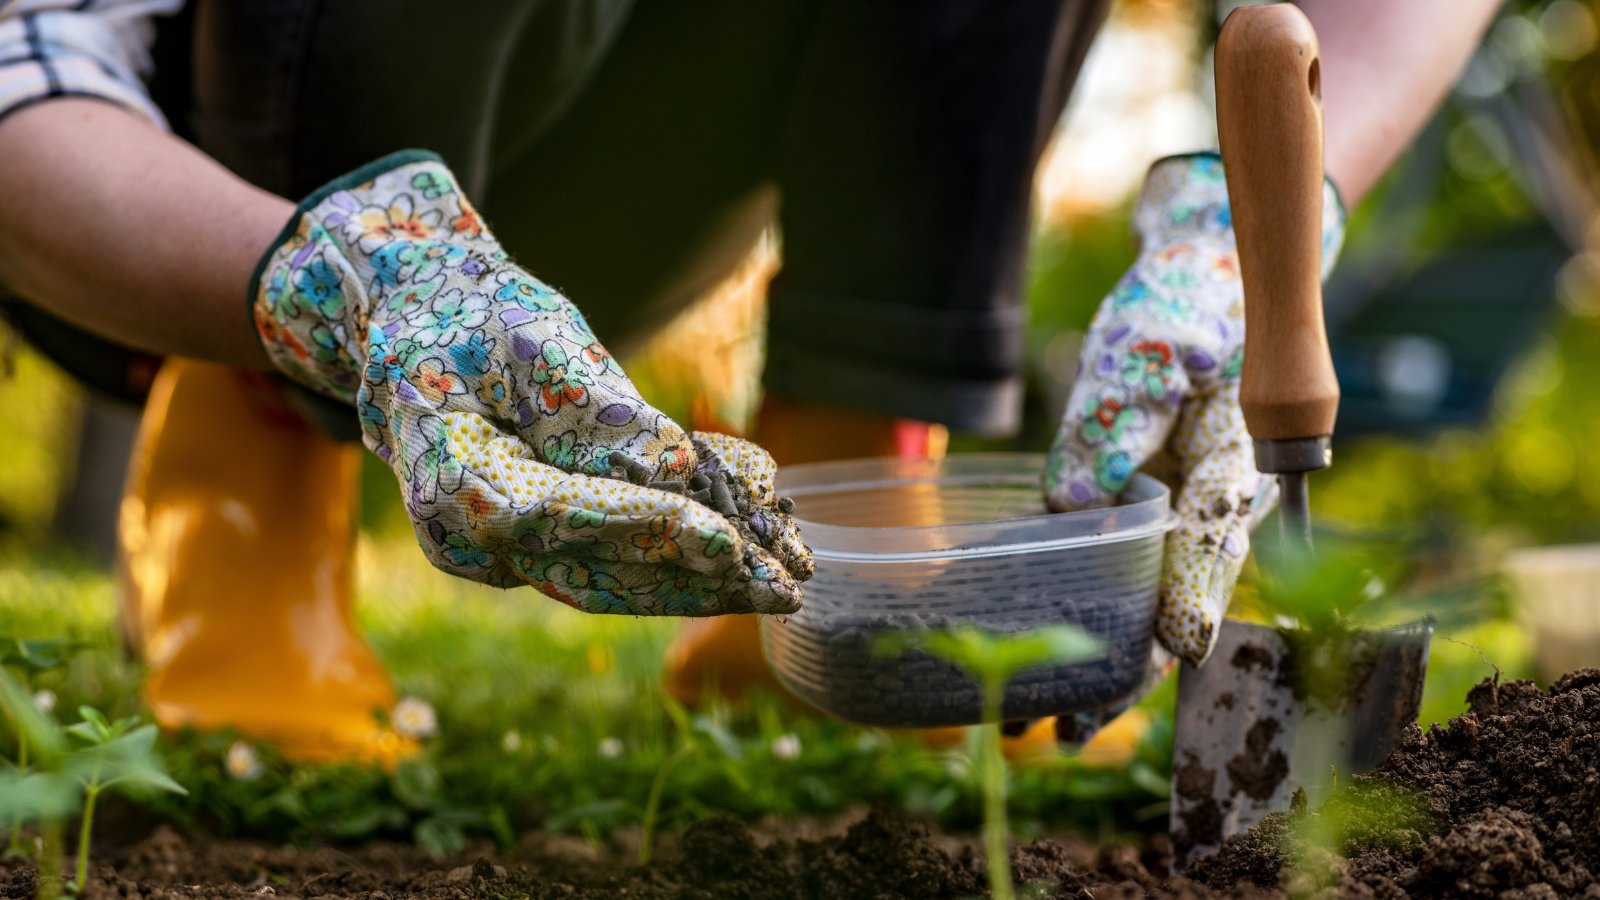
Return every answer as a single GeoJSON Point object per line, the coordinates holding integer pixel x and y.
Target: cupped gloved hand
{"type": "Point", "coordinates": [1158, 387]}
{"type": "Point", "coordinates": [524, 453]}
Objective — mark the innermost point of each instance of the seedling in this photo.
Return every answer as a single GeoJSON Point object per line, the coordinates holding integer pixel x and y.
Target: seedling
{"type": "Point", "coordinates": [1319, 602]}
{"type": "Point", "coordinates": [31, 657]}
{"type": "Point", "coordinates": [993, 660]}
{"type": "Point", "coordinates": [118, 754]}
{"type": "Point", "coordinates": [726, 746]}
{"type": "Point", "coordinates": [74, 766]}
{"type": "Point", "coordinates": [1365, 813]}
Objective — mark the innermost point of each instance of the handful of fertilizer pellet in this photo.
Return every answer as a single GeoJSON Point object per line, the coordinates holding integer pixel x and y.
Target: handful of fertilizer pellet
{"type": "Point", "coordinates": [737, 484]}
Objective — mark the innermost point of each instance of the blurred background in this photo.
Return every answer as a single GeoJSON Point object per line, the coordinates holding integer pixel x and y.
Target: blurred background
{"type": "Point", "coordinates": [1465, 322]}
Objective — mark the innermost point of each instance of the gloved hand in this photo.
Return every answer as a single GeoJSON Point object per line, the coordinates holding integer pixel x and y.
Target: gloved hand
{"type": "Point", "coordinates": [1158, 385]}
{"type": "Point", "coordinates": [524, 453]}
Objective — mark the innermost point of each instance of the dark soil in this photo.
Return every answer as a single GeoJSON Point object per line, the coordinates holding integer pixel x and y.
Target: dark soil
{"type": "Point", "coordinates": [882, 855]}
{"type": "Point", "coordinates": [1503, 802]}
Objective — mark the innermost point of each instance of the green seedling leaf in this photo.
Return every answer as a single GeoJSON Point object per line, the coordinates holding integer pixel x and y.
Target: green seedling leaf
{"type": "Point", "coordinates": [368, 821]}
{"type": "Point", "coordinates": [445, 833]}
{"type": "Point", "coordinates": [601, 815]}
{"type": "Point", "coordinates": [86, 732]}
{"type": "Point", "coordinates": [36, 655]}
{"type": "Point", "coordinates": [1320, 589]}
{"type": "Point", "coordinates": [96, 729]}
{"type": "Point", "coordinates": [1145, 776]}
{"type": "Point", "coordinates": [719, 735]}
{"type": "Point", "coordinates": [439, 836]}
{"type": "Point", "coordinates": [127, 761]}
{"type": "Point", "coordinates": [499, 825]}
{"type": "Point", "coordinates": [42, 735]}
{"type": "Point", "coordinates": [417, 784]}
{"type": "Point", "coordinates": [38, 796]}
{"type": "Point", "coordinates": [680, 719]}
{"type": "Point", "coordinates": [96, 718]}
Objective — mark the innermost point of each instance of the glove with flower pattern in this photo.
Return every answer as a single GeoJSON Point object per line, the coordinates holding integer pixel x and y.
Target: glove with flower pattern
{"type": "Point", "coordinates": [524, 453]}
{"type": "Point", "coordinates": [1158, 383]}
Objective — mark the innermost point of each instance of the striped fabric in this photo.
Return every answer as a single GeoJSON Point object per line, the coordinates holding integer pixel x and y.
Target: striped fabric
{"type": "Point", "coordinates": [88, 48]}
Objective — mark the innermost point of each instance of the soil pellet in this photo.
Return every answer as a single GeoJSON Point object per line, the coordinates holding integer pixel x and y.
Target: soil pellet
{"type": "Point", "coordinates": [636, 471]}
{"type": "Point", "coordinates": [722, 499]}
{"type": "Point", "coordinates": [720, 490]}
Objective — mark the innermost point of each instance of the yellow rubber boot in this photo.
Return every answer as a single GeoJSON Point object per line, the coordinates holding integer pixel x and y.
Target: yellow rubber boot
{"type": "Point", "coordinates": [237, 537]}
{"type": "Point", "coordinates": [722, 655]}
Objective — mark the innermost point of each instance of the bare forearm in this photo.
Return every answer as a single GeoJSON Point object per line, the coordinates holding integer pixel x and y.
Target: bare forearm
{"type": "Point", "coordinates": [1386, 65]}
{"type": "Point", "coordinates": [130, 233]}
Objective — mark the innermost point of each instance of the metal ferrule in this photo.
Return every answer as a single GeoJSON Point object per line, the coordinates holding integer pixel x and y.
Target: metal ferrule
{"type": "Point", "coordinates": [1279, 457]}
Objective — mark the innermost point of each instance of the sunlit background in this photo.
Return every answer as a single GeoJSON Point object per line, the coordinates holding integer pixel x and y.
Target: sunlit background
{"type": "Point", "coordinates": [1465, 318]}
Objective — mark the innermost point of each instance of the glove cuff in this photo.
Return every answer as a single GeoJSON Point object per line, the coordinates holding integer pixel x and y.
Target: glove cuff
{"type": "Point", "coordinates": [312, 293]}
{"type": "Point", "coordinates": [1186, 197]}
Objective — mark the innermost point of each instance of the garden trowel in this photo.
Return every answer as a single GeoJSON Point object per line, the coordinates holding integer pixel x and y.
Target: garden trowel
{"type": "Point", "coordinates": [1249, 735]}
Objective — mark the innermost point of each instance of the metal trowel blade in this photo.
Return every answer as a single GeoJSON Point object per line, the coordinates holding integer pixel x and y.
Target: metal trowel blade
{"type": "Point", "coordinates": [1245, 742]}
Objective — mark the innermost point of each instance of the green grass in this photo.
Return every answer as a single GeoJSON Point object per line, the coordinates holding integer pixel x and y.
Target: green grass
{"type": "Point", "coordinates": [526, 692]}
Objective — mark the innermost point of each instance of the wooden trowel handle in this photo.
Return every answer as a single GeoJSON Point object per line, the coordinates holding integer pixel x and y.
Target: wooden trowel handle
{"type": "Point", "coordinates": [1269, 120]}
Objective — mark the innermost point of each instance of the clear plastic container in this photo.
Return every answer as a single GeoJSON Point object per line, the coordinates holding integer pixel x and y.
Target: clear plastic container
{"type": "Point", "coordinates": [923, 544]}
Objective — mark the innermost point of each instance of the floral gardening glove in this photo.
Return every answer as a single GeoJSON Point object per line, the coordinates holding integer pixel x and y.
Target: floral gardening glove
{"type": "Point", "coordinates": [1158, 383]}
{"type": "Point", "coordinates": [524, 453]}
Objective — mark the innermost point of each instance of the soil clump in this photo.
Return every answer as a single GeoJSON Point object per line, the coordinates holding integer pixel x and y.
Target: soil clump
{"type": "Point", "coordinates": [1502, 801]}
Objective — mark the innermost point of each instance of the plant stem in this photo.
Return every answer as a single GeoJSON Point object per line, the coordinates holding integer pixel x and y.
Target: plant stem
{"type": "Point", "coordinates": [48, 881]}
{"type": "Point", "coordinates": [652, 806]}
{"type": "Point", "coordinates": [14, 842]}
{"type": "Point", "coordinates": [996, 825]}
{"type": "Point", "coordinates": [83, 834]}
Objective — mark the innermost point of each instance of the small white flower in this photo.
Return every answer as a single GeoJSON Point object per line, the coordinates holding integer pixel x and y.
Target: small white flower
{"type": "Point", "coordinates": [414, 718]}
{"type": "Point", "coordinates": [868, 741]}
{"type": "Point", "coordinates": [611, 748]}
{"type": "Point", "coordinates": [786, 747]}
{"type": "Point", "coordinates": [44, 700]}
{"type": "Point", "coordinates": [511, 741]}
{"type": "Point", "coordinates": [242, 762]}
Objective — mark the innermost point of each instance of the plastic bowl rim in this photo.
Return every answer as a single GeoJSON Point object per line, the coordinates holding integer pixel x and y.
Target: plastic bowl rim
{"type": "Point", "coordinates": [1160, 524]}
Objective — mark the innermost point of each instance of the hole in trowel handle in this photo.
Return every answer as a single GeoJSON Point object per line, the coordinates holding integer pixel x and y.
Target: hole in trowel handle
{"type": "Point", "coordinates": [1314, 78]}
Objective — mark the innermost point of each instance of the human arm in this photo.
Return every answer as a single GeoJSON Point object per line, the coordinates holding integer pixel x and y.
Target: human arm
{"type": "Point", "coordinates": [1386, 66]}
{"type": "Point", "coordinates": [107, 221]}
{"type": "Point", "coordinates": [129, 232]}
{"type": "Point", "coordinates": [1159, 372]}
